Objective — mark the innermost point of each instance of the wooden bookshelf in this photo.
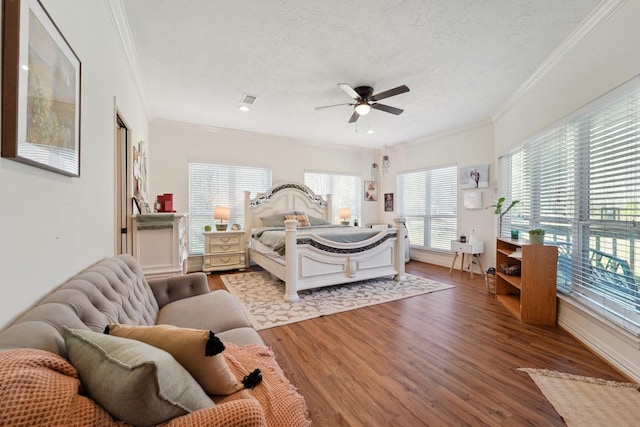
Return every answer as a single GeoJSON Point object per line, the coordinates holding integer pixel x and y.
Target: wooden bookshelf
{"type": "Point", "coordinates": [531, 296]}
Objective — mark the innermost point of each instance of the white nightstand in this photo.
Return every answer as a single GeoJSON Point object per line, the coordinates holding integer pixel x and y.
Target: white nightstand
{"type": "Point", "coordinates": [224, 250]}
{"type": "Point", "coordinates": [470, 248]}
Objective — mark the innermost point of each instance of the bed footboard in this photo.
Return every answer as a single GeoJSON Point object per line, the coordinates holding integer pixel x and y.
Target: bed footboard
{"type": "Point", "coordinates": [313, 262]}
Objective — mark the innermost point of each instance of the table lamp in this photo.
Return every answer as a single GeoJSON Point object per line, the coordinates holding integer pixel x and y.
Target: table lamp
{"type": "Point", "coordinates": [221, 213]}
{"type": "Point", "coordinates": [345, 215]}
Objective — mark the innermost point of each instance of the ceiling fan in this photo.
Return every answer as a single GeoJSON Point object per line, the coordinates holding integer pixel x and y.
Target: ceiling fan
{"type": "Point", "coordinates": [365, 100]}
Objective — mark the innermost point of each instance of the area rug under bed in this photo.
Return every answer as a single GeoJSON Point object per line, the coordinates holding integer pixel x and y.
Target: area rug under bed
{"type": "Point", "coordinates": [262, 296]}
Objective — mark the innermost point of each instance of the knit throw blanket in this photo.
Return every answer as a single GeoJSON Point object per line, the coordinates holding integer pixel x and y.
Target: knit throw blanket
{"type": "Point", "coordinates": [41, 388]}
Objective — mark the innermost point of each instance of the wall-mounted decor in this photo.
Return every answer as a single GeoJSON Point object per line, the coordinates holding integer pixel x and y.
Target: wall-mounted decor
{"type": "Point", "coordinates": [473, 200]}
{"type": "Point", "coordinates": [474, 176]}
{"type": "Point", "coordinates": [388, 202]}
{"type": "Point", "coordinates": [371, 191]}
{"type": "Point", "coordinates": [40, 91]}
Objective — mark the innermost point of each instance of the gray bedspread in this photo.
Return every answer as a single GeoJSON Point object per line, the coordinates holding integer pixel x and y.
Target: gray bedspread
{"type": "Point", "coordinates": [273, 237]}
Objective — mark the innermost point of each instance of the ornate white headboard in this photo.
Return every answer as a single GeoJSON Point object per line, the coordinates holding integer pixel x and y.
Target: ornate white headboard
{"type": "Point", "coordinates": [284, 197]}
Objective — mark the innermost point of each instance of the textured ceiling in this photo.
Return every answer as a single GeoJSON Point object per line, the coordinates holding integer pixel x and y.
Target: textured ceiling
{"type": "Point", "coordinates": [461, 59]}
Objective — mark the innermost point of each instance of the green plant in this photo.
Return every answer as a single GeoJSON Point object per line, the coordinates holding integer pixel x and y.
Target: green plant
{"type": "Point", "coordinates": [207, 228]}
{"type": "Point", "coordinates": [498, 204]}
{"type": "Point", "coordinates": [538, 231]}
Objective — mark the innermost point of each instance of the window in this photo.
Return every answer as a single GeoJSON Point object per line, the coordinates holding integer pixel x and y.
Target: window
{"type": "Point", "coordinates": [211, 185]}
{"type": "Point", "coordinates": [345, 190]}
{"type": "Point", "coordinates": [428, 199]}
{"type": "Point", "coordinates": [580, 181]}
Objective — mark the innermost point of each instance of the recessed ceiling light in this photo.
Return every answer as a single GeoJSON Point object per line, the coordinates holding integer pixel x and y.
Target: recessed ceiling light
{"type": "Point", "coordinates": [371, 130]}
{"type": "Point", "coordinates": [243, 108]}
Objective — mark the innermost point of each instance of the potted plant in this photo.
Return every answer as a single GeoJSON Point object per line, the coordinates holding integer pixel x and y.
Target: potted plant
{"type": "Point", "coordinates": [536, 236]}
{"type": "Point", "coordinates": [497, 204]}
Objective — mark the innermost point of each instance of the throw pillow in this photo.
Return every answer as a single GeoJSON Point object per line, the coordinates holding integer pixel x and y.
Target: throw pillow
{"type": "Point", "coordinates": [197, 350]}
{"type": "Point", "coordinates": [303, 219]}
{"type": "Point", "coordinates": [135, 382]}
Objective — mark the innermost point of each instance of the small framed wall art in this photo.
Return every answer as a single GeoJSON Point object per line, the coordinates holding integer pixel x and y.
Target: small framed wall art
{"type": "Point", "coordinates": [40, 91]}
{"type": "Point", "coordinates": [473, 200]}
{"type": "Point", "coordinates": [388, 202]}
{"type": "Point", "coordinates": [371, 191]}
{"type": "Point", "coordinates": [474, 177]}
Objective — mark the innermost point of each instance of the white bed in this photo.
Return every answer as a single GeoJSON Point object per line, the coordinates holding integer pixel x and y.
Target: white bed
{"type": "Point", "coordinates": [311, 261]}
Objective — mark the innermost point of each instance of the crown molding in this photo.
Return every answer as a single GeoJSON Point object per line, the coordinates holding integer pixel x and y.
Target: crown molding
{"type": "Point", "coordinates": [597, 17]}
{"type": "Point", "coordinates": [121, 26]}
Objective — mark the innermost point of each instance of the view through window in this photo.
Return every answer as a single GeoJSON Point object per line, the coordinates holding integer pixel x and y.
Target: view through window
{"type": "Point", "coordinates": [428, 200]}
{"type": "Point", "coordinates": [345, 190]}
{"type": "Point", "coordinates": [213, 185]}
{"type": "Point", "coordinates": [580, 181]}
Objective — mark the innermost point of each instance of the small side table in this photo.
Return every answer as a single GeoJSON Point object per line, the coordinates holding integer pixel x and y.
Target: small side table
{"type": "Point", "coordinates": [474, 249]}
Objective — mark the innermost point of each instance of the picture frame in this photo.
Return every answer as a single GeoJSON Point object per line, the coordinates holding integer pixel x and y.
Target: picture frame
{"type": "Point", "coordinates": [146, 208]}
{"type": "Point", "coordinates": [137, 204]}
{"type": "Point", "coordinates": [476, 176]}
{"type": "Point", "coordinates": [388, 202]}
{"type": "Point", "coordinates": [41, 81]}
{"type": "Point", "coordinates": [371, 191]}
{"type": "Point", "coordinates": [473, 200]}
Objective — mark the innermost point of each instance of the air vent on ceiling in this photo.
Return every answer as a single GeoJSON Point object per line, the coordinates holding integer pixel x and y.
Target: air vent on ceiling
{"type": "Point", "coordinates": [248, 99]}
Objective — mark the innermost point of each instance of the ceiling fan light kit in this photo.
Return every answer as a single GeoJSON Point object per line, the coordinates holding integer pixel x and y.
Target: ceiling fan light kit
{"type": "Point", "coordinates": [363, 108]}
{"type": "Point", "coordinates": [365, 100]}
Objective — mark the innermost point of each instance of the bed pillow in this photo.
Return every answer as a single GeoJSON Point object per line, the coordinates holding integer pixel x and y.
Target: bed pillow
{"type": "Point", "coordinates": [303, 220]}
{"type": "Point", "coordinates": [314, 220]}
{"type": "Point", "coordinates": [198, 351]}
{"type": "Point", "coordinates": [135, 382]}
{"type": "Point", "coordinates": [276, 220]}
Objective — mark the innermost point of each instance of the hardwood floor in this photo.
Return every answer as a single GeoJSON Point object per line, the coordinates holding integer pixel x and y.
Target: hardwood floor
{"type": "Point", "coordinates": [447, 358]}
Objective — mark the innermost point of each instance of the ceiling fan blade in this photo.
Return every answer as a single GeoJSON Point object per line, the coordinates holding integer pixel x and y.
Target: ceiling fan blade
{"type": "Point", "coordinates": [354, 117]}
{"type": "Point", "coordinates": [387, 109]}
{"type": "Point", "coordinates": [334, 105]}
{"type": "Point", "coordinates": [391, 92]}
{"type": "Point", "coordinates": [349, 90]}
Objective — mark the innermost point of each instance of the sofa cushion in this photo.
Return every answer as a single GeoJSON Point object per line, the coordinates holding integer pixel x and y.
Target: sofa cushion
{"type": "Point", "coordinates": [113, 290]}
{"type": "Point", "coordinates": [198, 351]}
{"type": "Point", "coordinates": [216, 311]}
{"type": "Point", "coordinates": [135, 382]}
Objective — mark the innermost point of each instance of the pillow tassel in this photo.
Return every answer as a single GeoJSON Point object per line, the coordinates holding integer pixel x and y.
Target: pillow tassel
{"type": "Point", "coordinates": [214, 345]}
{"type": "Point", "coordinates": [253, 379]}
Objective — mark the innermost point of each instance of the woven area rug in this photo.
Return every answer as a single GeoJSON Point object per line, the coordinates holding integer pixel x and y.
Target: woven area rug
{"type": "Point", "coordinates": [262, 296]}
{"type": "Point", "coordinates": [584, 401]}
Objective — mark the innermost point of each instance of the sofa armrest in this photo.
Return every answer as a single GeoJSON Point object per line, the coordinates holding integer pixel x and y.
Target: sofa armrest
{"type": "Point", "coordinates": [235, 413]}
{"type": "Point", "coordinates": [174, 288]}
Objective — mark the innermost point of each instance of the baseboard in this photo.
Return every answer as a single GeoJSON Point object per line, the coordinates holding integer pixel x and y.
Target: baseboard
{"type": "Point", "coordinates": [609, 341]}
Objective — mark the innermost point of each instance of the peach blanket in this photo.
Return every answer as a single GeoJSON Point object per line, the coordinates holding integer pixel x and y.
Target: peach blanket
{"type": "Point", "coordinates": [41, 388]}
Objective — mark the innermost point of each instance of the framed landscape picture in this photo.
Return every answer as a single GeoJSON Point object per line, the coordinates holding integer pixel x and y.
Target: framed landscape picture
{"type": "Point", "coordinates": [40, 91]}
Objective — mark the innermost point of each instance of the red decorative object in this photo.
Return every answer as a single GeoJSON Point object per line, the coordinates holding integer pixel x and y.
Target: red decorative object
{"type": "Point", "coordinates": [165, 202]}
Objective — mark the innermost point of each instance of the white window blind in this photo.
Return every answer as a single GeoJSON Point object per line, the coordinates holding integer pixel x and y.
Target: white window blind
{"type": "Point", "coordinates": [428, 199]}
{"type": "Point", "coordinates": [211, 185]}
{"type": "Point", "coordinates": [580, 181]}
{"type": "Point", "coordinates": [345, 190]}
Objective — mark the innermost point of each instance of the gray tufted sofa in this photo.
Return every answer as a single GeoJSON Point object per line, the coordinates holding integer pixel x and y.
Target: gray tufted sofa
{"type": "Point", "coordinates": [115, 291]}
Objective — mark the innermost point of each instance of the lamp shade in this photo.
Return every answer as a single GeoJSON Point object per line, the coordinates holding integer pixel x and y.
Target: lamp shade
{"type": "Point", "coordinates": [221, 213]}
{"type": "Point", "coordinates": [345, 213]}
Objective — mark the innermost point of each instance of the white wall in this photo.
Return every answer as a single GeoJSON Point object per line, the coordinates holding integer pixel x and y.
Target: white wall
{"type": "Point", "coordinates": [174, 144]}
{"type": "Point", "coordinates": [606, 59]}
{"type": "Point", "coordinates": [469, 147]}
{"type": "Point", "coordinates": [53, 226]}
